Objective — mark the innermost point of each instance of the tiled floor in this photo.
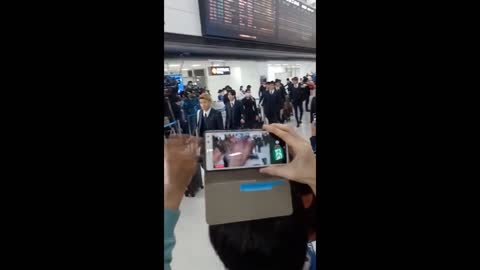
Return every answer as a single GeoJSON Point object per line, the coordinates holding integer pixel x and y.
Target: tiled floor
{"type": "Point", "coordinates": [193, 249]}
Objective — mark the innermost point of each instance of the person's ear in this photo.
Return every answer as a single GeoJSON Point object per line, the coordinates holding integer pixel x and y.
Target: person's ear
{"type": "Point", "coordinates": [307, 200]}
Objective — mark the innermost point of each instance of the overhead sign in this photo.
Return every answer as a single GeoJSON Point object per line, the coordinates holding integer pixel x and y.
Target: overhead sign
{"type": "Point", "coordinates": [219, 71]}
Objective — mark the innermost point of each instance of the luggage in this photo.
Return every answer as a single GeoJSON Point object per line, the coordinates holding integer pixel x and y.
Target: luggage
{"type": "Point", "coordinates": [287, 111]}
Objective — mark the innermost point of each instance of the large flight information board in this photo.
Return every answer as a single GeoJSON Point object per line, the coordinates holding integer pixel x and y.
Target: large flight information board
{"type": "Point", "coordinates": [287, 22]}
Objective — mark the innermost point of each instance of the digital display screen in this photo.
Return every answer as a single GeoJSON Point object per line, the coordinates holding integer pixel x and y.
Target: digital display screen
{"type": "Point", "coordinates": [243, 149]}
{"type": "Point", "coordinates": [286, 22]}
{"type": "Point", "coordinates": [219, 71]}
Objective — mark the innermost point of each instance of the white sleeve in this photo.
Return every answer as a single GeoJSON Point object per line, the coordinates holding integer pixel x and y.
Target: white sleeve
{"type": "Point", "coordinates": [198, 117]}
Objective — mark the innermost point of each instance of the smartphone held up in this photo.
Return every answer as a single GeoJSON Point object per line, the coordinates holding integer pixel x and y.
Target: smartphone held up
{"type": "Point", "coordinates": [241, 149]}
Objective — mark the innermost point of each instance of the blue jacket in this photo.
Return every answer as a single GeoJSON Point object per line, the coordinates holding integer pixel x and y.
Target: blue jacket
{"type": "Point", "coordinates": [170, 218]}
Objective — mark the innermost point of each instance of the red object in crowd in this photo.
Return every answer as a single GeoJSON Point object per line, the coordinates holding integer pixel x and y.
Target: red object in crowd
{"type": "Point", "coordinates": [311, 85]}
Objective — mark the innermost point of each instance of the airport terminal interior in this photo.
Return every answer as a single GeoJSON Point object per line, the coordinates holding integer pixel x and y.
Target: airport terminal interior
{"type": "Point", "coordinates": [240, 54]}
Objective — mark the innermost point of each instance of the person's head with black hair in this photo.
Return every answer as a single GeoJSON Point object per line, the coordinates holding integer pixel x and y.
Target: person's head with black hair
{"type": "Point", "coordinates": [272, 243]}
{"type": "Point", "coordinates": [248, 93]}
{"type": "Point", "coordinates": [288, 79]}
{"type": "Point", "coordinates": [278, 83]}
{"type": "Point", "coordinates": [270, 85]}
{"type": "Point", "coordinates": [231, 95]}
{"type": "Point", "coordinates": [295, 80]}
{"type": "Point", "coordinates": [249, 87]}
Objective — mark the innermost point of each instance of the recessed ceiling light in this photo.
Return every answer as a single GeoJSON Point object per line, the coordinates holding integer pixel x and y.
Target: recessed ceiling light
{"type": "Point", "coordinates": [174, 65]}
{"type": "Point", "coordinates": [196, 65]}
{"type": "Point", "coordinates": [185, 69]}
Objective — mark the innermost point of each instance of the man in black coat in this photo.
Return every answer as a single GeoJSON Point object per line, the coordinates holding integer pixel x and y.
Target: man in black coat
{"type": "Point", "coordinates": [261, 91]}
{"type": "Point", "coordinates": [250, 109]}
{"type": "Point", "coordinates": [297, 95]}
{"type": "Point", "coordinates": [207, 119]}
{"type": "Point", "coordinates": [235, 113]}
{"type": "Point", "coordinates": [272, 103]}
{"type": "Point", "coordinates": [280, 89]}
{"type": "Point", "coordinates": [306, 90]}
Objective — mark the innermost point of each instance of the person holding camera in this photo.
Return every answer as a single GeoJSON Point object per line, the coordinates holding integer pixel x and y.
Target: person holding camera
{"type": "Point", "coordinates": [274, 243]}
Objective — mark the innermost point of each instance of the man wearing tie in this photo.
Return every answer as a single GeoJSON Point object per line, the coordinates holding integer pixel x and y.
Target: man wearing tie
{"type": "Point", "coordinates": [297, 95]}
{"type": "Point", "coordinates": [280, 89]}
{"type": "Point", "coordinates": [272, 103]}
{"type": "Point", "coordinates": [235, 112]}
{"type": "Point", "coordinates": [207, 119]}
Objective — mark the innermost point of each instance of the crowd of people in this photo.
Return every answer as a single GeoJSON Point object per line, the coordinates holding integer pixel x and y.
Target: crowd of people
{"type": "Point", "coordinates": [273, 243]}
{"type": "Point", "coordinates": [196, 111]}
{"type": "Point", "coordinates": [278, 101]}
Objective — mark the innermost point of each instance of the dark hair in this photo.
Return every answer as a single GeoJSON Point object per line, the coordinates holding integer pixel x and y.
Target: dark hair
{"type": "Point", "coordinates": [272, 243]}
{"type": "Point", "coordinates": [231, 91]}
{"type": "Point", "coordinates": [295, 79]}
{"type": "Point", "coordinates": [288, 79]}
{"type": "Point", "coordinates": [249, 86]}
{"type": "Point", "coordinates": [189, 82]}
{"type": "Point", "coordinates": [248, 90]}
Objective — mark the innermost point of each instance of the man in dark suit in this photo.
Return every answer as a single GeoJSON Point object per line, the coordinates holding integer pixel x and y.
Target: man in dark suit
{"type": "Point", "coordinates": [235, 112]}
{"type": "Point", "coordinates": [280, 89]}
{"type": "Point", "coordinates": [272, 103]}
{"type": "Point", "coordinates": [261, 91]}
{"type": "Point", "coordinates": [297, 95]}
{"type": "Point", "coordinates": [306, 90]}
{"type": "Point", "coordinates": [207, 117]}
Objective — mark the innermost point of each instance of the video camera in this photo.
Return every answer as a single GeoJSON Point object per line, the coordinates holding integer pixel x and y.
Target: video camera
{"type": "Point", "coordinates": [170, 87]}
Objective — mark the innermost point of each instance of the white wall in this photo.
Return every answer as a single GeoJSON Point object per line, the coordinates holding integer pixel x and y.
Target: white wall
{"type": "Point", "coordinates": [182, 17]}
